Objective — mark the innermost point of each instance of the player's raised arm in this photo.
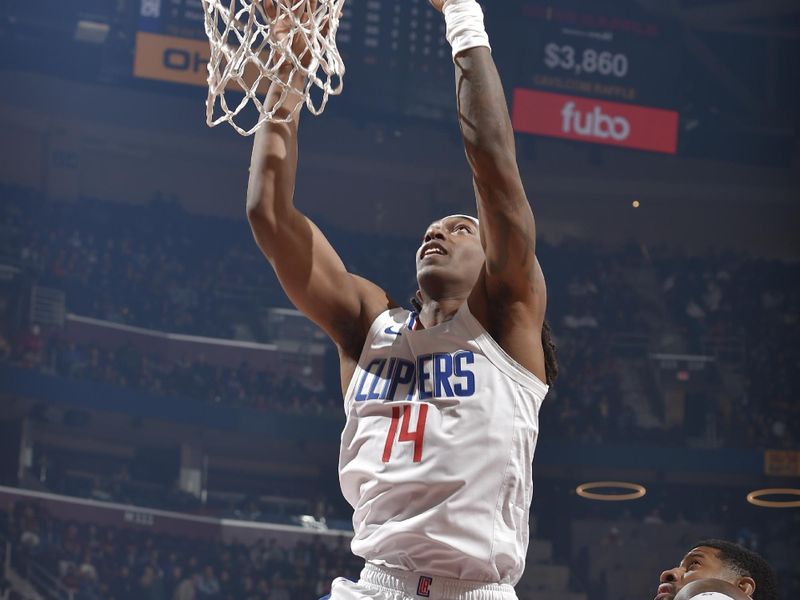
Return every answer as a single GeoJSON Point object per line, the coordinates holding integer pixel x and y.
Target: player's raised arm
{"type": "Point", "coordinates": [508, 232]}
{"type": "Point", "coordinates": [509, 297]}
{"type": "Point", "coordinates": [309, 269]}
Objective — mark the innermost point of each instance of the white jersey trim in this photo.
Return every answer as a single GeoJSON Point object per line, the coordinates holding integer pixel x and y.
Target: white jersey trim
{"type": "Point", "coordinates": [406, 319]}
{"type": "Point", "coordinates": [373, 332]}
{"type": "Point", "coordinates": [500, 357]}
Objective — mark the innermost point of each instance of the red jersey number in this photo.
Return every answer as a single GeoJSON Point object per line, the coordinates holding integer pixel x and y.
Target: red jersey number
{"type": "Point", "coordinates": [415, 436]}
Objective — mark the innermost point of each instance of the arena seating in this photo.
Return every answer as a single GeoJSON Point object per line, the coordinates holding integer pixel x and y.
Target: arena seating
{"type": "Point", "coordinates": [123, 563]}
{"type": "Point", "coordinates": [611, 310]}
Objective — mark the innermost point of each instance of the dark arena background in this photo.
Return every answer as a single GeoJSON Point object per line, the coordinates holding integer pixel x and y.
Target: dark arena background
{"type": "Point", "coordinates": [169, 425]}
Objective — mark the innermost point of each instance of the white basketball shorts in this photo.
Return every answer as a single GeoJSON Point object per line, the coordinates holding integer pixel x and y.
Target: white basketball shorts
{"type": "Point", "coordinates": [381, 583]}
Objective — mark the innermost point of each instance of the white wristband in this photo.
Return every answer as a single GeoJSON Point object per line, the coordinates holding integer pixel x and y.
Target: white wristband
{"type": "Point", "coordinates": [465, 29]}
{"type": "Point", "coordinates": [711, 596]}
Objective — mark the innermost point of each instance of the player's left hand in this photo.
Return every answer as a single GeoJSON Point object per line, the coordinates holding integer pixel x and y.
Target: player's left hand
{"type": "Point", "coordinates": [278, 13]}
{"type": "Point", "coordinates": [282, 25]}
{"type": "Point", "coordinates": [438, 4]}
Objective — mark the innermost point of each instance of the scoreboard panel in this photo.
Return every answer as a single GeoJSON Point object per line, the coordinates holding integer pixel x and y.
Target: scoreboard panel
{"type": "Point", "coordinates": [595, 73]}
{"type": "Point", "coordinates": [396, 55]}
{"type": "Point", "coordinates": [582, 69]}
{"type": "Point", "coordinates": [596, 52]}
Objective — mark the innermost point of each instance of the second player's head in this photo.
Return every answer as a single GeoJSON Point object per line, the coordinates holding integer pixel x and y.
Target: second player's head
{"type": "Point", "coordinates": [449, 259]}
{"type": "Point", "coordinates": [718, 559]}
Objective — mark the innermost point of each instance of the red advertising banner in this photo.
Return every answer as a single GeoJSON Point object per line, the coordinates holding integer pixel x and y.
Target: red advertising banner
{"type": "Point", "coordinates": [595, 121]}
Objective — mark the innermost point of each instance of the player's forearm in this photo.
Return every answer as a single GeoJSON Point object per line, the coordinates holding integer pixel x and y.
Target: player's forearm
{"type": "Point", "coordinates": [482, 112]}
{"type": "Point", "coordinates": [273, 168]}
{"type": "Point", "coordinates": [273, 164]}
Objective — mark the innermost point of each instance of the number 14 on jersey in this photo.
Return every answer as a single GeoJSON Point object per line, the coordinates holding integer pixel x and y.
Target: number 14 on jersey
{"type": "Point", "coordinates": [406, 435]}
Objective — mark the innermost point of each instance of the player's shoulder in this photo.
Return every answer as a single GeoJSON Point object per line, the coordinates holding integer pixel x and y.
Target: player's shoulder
{"type": "Point", "coordinates": [378, 312]}
{"type": "Point", "coordinates": [374, 301]}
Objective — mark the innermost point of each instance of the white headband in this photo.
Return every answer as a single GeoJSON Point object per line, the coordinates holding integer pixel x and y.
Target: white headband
{"type": "Point", "coordinates": [473, 219]}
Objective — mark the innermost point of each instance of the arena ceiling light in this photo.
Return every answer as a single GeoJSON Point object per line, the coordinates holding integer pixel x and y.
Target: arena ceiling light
{"type": "Point", "coordinates": [635, 491]}
{"type": "Point", "coordinates": [92, 32]}
{"type": "Point", "coordinates": [755, 497]}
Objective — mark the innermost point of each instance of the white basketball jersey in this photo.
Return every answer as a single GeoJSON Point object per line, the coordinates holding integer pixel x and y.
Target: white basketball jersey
{"type": "Point", "coordinates": [436, 453]}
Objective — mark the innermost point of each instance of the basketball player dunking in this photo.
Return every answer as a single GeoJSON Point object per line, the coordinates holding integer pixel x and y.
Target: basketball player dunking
{"type": "Point", "coordinates": [442, 403]}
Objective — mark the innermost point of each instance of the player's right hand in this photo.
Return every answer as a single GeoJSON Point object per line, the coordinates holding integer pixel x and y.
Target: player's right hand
{"type": "Point", "coordinates": [280, 13]}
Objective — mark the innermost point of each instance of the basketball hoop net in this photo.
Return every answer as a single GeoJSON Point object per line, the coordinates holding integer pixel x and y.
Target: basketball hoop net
{"type": "Point", "coordinates": [253, 48]}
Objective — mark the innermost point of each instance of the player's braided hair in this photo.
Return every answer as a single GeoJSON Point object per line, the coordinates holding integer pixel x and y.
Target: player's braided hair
{"type": "Point", "coordinates": [746, 563]}
{"type": "Point", "coordinates": [550, 357]}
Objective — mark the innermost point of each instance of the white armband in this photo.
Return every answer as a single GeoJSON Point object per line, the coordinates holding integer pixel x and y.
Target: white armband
{"type": "Point", "coordinates": [465, 28]}
{"type": "Point", "coordinates": [711, 596]}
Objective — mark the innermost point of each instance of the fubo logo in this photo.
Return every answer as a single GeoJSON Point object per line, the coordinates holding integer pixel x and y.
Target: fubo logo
{"type": "Point", "coordinates": [595, 123]}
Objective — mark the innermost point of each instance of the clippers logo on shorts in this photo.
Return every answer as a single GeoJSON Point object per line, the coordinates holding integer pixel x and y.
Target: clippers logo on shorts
{"type": "Point", "coordinates": [424, 586]}
{"type": "Point", "coordinates": [438, 375]}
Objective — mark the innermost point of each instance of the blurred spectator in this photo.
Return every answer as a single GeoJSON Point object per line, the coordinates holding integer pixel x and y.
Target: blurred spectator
{"type": "Point", "coordinates": [187, 589]}
{"type": "Point", "coordinates": [30, 347]}
{"type": "Point", "coordinates": [122, 586]}
{"type": "Point", "coordinates": [653, 517]}
{"type": "Point", "coordinates": [151, 586]}
{"type": "Point", "coordinates": [208, 585]}
{"type": "Point", "coordinates": [172, 579]}
{"type": "Point", "coordinates": [5, 348]}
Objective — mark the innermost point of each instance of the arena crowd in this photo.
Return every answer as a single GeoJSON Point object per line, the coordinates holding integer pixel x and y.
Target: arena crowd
{"type": "Point", "coordinates": [156, 266]}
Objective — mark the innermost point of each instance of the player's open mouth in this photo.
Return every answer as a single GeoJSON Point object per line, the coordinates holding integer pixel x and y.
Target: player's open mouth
{"type": "Point", "coordinates": [665, 590]}
{"type": "Point", "coordinates": [432, 248]}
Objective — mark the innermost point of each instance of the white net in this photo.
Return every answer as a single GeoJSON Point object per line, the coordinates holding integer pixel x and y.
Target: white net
{"type": "Point", "coordinates": [286, 45]}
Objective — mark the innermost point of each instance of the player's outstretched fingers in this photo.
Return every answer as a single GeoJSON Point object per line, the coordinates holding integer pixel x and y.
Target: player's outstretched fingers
{"type": "Point", "coordinates": [270, 9]}
{"type": "Point", "coordinates": [326, 26]}
{"type": "Point", "coordinates": [303, 10]}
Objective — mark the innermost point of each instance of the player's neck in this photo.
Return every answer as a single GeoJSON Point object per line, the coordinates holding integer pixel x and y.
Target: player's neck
{"type": "Point", "coordinates": [436, 312]}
